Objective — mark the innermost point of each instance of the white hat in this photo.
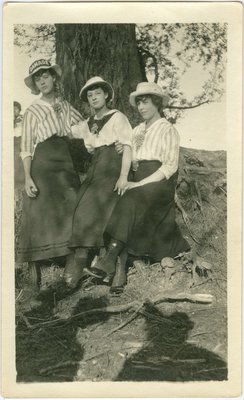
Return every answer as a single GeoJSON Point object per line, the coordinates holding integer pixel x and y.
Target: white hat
{"type": "Point", "coordinates": [144, 88]}
{"type": "Point", "coordinates": [96, 80]}
{"type": "Point", "coordinates": [35, 67]}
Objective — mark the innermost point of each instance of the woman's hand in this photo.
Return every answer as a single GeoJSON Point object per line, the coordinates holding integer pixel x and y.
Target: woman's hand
{"type": "Point", "coordinates": [119, 147]}
{"type": "Point", "coordinates": [130, 185]}
{"type": "Point", "coordinates": [120, 185]}
{"type": "Point", "coordinates": [30, 187]}
{"type": "Point", "coordinates": [123, 186]}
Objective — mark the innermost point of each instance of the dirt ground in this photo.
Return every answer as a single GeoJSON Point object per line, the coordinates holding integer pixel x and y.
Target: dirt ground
{"type": "Point", "coordinates": [172, 340]}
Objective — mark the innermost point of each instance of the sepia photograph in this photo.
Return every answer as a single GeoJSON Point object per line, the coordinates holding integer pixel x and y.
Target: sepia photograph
{"type": "Point", "coordinates": [120, 133]}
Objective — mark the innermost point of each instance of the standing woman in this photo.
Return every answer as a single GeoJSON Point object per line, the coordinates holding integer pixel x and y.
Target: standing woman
{"type": "Point", "coordinates": [51, 184]}
{"type": "Point", "coordinates": [107, 174]}
{"type": "Point", "coordinates": [143, 221]}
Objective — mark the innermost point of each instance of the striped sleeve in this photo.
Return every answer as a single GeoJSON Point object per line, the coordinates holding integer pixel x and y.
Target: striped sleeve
{"type": "Point", "coordinates": [28, 134]}
{"type": "Point", "coordinates": [75, 116]}
{"type": "Point", "coordinates": [170, 151]}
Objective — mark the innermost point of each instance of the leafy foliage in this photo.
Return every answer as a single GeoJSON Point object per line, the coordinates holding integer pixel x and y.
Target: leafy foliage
{"type": "Point", "coordinates": [169, 52]}
{"type": "Point", "coordinates": [36, 39]}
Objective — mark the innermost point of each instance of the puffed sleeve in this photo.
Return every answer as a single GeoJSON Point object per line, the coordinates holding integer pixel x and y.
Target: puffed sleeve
{"type": "Point", "coordinates": [75, 116]}
{"type": "Point", "coordinates": [28, 135]}
{"type": "Point", "coordinates": [170, 151]}
{"type": "Point", "coordinates": [122, 129]}
{"type": "Point", "coordinates": [81, 131]}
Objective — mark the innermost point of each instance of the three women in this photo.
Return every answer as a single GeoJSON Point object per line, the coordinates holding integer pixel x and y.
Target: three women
{"type": "Point", "coordinates": [55, 220]}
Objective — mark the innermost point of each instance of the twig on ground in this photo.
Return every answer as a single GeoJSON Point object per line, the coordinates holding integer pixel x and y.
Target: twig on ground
{"type": "Point", "coordinates": [210, 369]}
{"type": "Point", "coordinates": [199, 196]}
{"type": "Point", "coordinates": [59, 365]}
{"type": "Point", "coordinates": [95, 355]}
{"type": "Point", "coordinates": [201, 333]}
{"type": "Point", "coordinates": [20, 293]}
{"type": "Point", "coordinates": [220, 187]}
{"type": "Point", "coordinates": [201, 283]}
{"type": "Point", "coordinates": [25, 319]}
{"type": "Point", "coordinates": [157, 318]}
{"type": "Point", "coordinates": [130, 319]}
{"type": "Point", "coordinates": [185, 217]}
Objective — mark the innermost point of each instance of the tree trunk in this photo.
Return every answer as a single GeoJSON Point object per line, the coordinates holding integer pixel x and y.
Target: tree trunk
{"type": "Point", "coordinates": [106, 50]}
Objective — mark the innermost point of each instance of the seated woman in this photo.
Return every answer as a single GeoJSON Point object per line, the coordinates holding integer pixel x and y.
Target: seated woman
{"type": "Point", "coordinates": [108, 172]}
{"type": "Point", "coordinates": [143, 221]}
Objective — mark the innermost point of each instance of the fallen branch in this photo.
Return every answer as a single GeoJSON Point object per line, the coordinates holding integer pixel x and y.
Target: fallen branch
{"type": "Point", "coordinates": [134, 305]}
{"type": "Point", "coordinates": [46, 371]}
{"type": "Point", "coordinates": [204, 170]}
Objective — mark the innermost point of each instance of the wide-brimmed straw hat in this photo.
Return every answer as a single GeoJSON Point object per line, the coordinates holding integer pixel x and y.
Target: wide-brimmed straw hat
{"type": "Point", "coordinates": [144, 88]}
{"type": "Point", "coordinates": [96, 81]}
{"type": "Point", "coordinates": [35, 67]}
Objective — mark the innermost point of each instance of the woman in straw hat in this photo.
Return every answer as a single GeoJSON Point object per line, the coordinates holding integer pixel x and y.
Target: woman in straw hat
{"type": "Point", "coordinates": [51, 184]}
{"type": "Point", "coordinates": [106, 177]}
{"type": "Point", "coordinates": [143, 221]}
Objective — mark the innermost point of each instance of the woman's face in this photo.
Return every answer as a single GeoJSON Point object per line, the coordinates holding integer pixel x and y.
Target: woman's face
{"type": "Point", "coordinates": [97, 98]}
{"type": "Point", "coordinates": [146, 108]}
{"type": "Point", "coordinates": [44, 82]}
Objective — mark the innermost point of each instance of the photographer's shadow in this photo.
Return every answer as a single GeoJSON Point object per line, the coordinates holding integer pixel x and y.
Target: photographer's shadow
{"type": "Point", "coordinates": [167, 356]}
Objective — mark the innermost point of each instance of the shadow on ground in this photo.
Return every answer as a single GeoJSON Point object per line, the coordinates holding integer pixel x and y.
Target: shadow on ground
{"type": "Point", "coordinates": [167, 356]}
{"type": "Point", "coordinates": [39, 349]}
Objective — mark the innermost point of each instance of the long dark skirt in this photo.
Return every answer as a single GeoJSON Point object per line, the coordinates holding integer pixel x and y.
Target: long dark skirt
{"type": "Point", "coordinates": [47, 219]}
{"type": "Point", "coordinates": [144, 218]}
{"type": "Point", "coordinates": [96, 199]}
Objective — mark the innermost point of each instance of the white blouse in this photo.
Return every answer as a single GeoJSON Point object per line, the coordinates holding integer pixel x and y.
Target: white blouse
{"type": "Point", "coordinates": [159, 142]}
{"type": "Point", "coordinates": [117, 128]}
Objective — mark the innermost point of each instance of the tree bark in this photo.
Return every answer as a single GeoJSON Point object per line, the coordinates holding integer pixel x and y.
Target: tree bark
{"type": "Point", "coordinates": [106, 50]}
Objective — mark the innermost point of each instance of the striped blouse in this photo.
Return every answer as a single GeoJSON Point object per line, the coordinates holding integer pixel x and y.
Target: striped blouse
{"type": "Point", "coordinates": [117, 128]}
{"type": "Point", "coordinates": [159, 142]}
{"type": "Point", "coordinates": [41, 121]}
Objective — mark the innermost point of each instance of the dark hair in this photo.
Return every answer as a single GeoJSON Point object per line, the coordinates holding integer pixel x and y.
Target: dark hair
{"type": "Point", "coordinates": [58, 87]}
{"type": "Point", "coordinates": [156, 100]}
{"type": "Point", "coordinates": [104, 89]}
{"type": "Point", "coordinates": [18, 105]}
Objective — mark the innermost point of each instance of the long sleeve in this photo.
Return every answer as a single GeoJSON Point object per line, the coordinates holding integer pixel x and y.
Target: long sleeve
{"type": "Point", "coordinates": [76, 117]}
{"type": "Point", "coordinates": [28, 135]}
{"type": "Point", "coordinates": [122, 129]}
{"type": "Point", "coordinates": [81, 131]}
{"type": "Point", "coordinates": [170, 152]}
